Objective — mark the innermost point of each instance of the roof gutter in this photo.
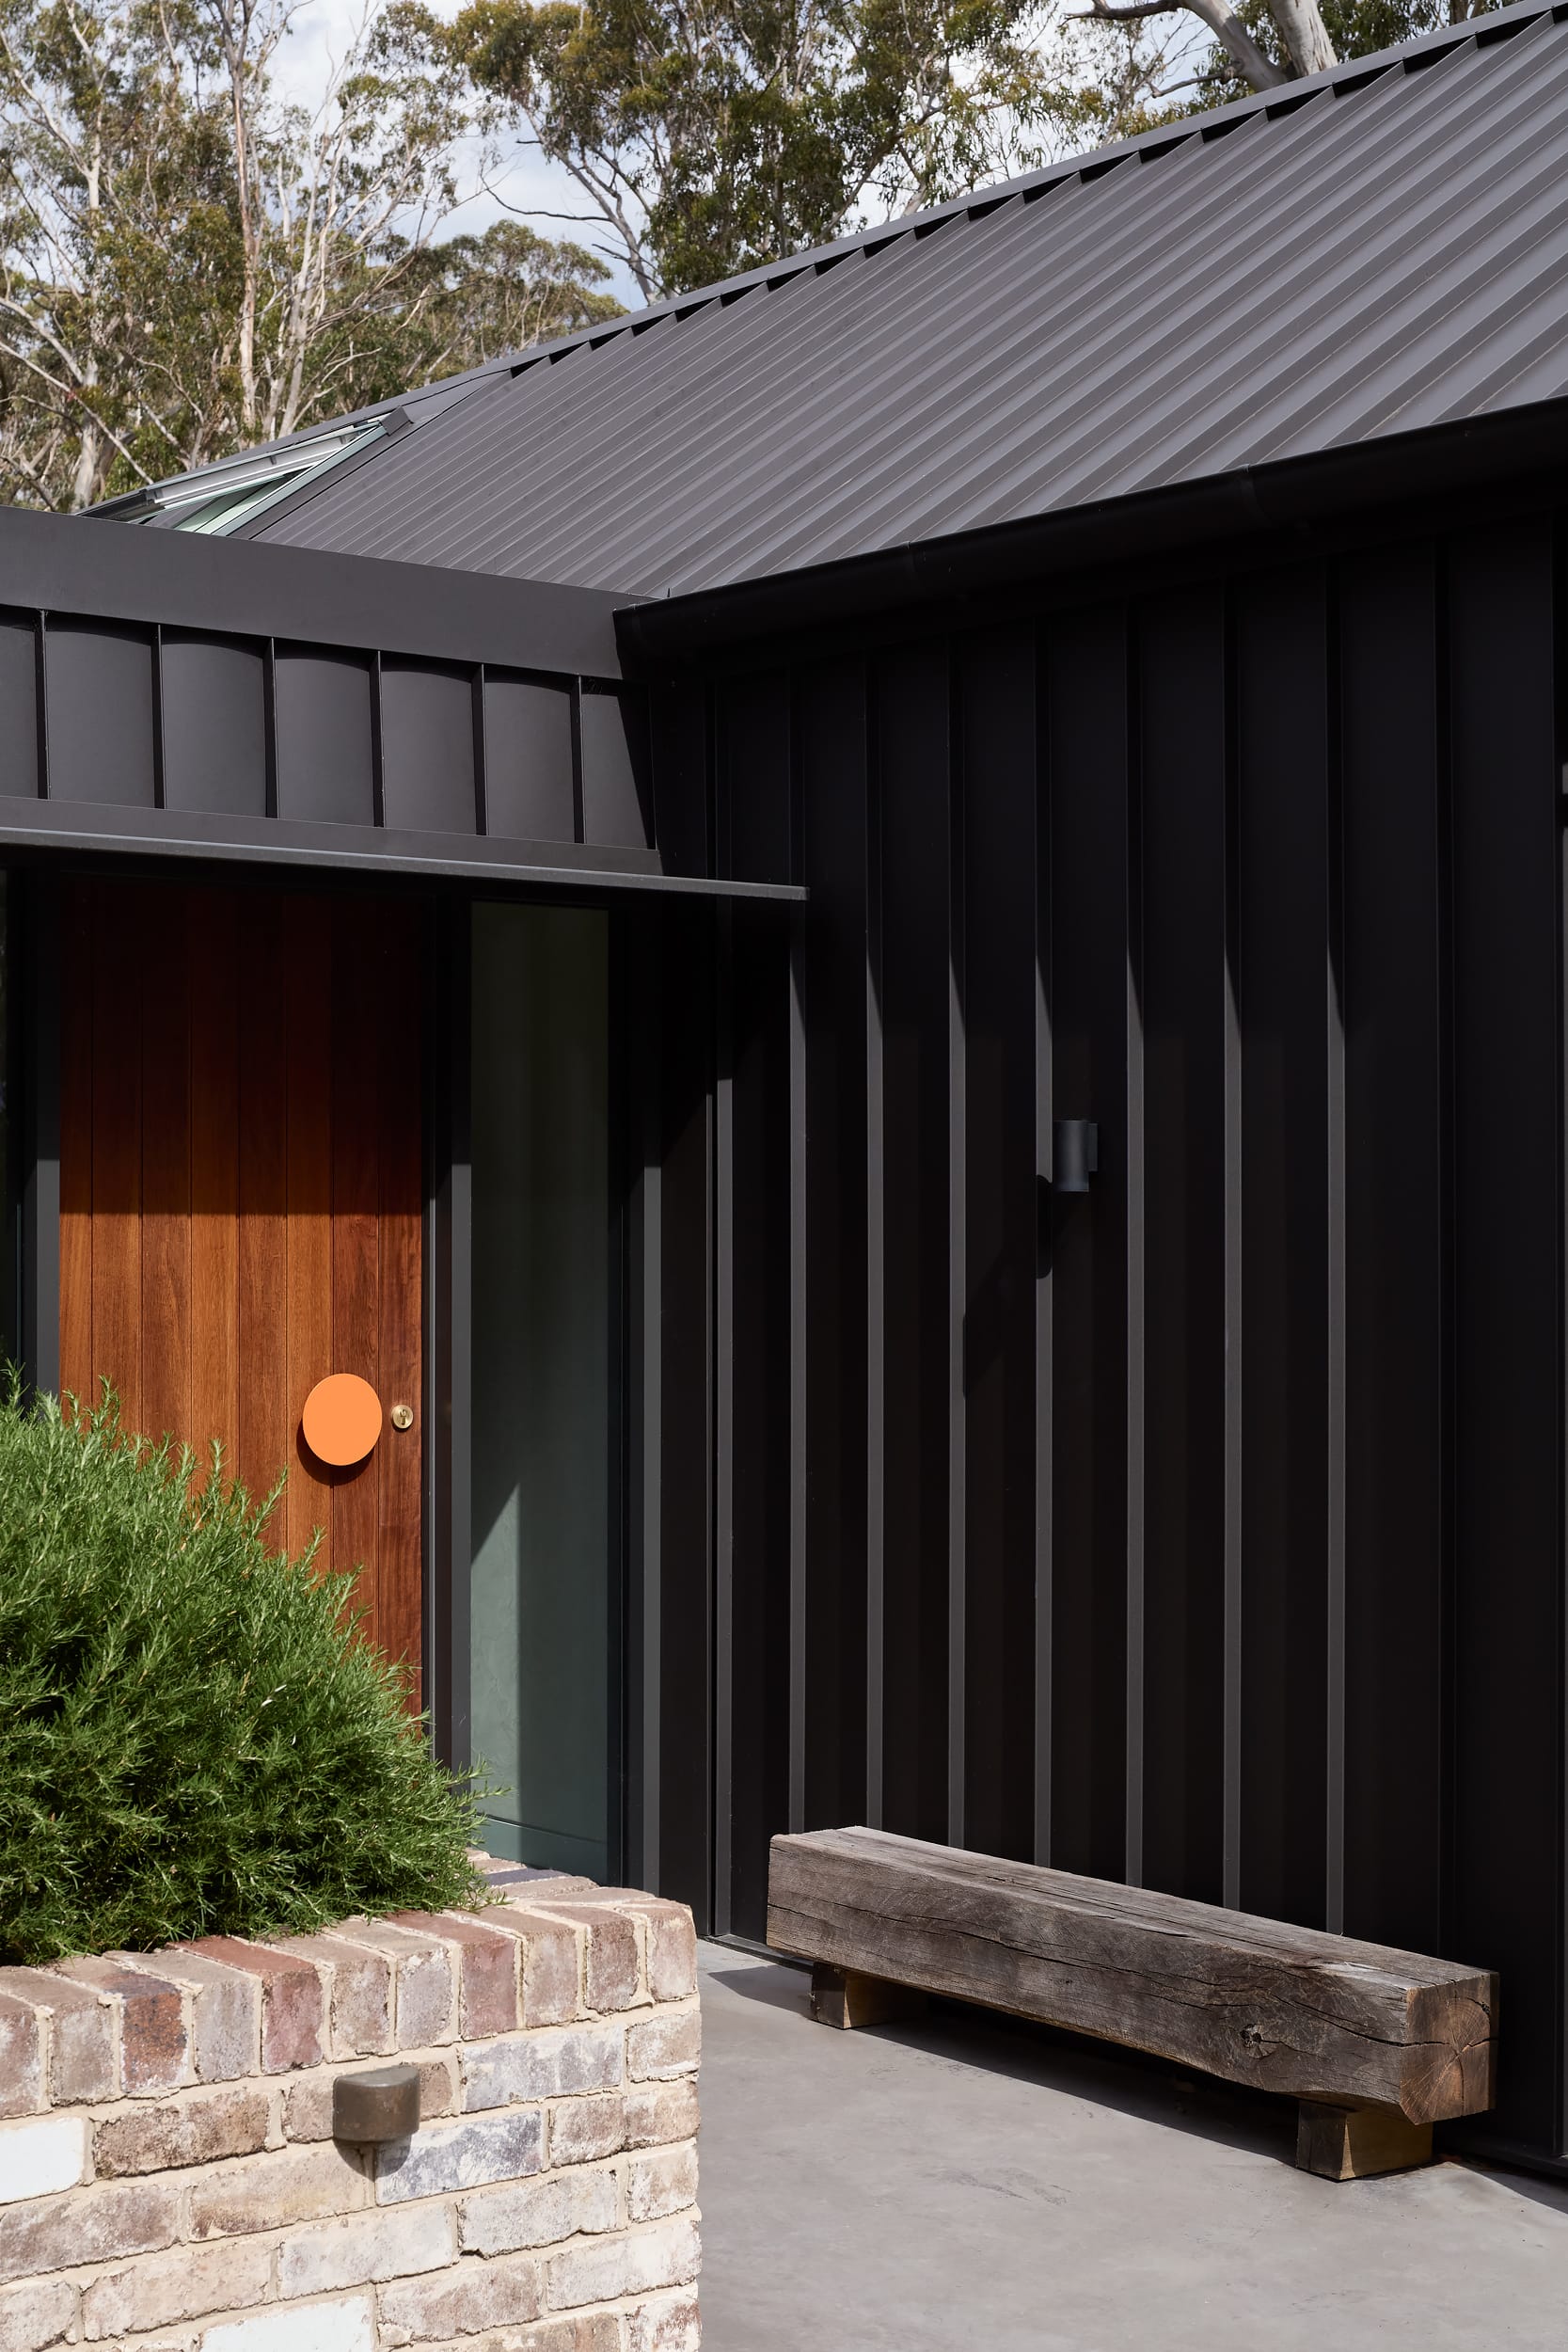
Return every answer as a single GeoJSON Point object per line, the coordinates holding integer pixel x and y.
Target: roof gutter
{"type": "Point", "coordinates": [1304, 497]}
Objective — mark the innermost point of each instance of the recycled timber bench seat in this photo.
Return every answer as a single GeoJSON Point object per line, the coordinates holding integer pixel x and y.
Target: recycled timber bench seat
{"type": "Point", "coordinates": [1378, 2045]}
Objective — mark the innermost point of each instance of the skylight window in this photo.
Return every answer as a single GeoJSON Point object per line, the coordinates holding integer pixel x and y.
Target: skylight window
{"type": "Point", "coordinates": [219, 498]}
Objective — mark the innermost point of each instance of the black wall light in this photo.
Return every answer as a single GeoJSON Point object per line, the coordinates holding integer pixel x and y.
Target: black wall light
{"type": "Point", "coordinates": [1074, 1154]}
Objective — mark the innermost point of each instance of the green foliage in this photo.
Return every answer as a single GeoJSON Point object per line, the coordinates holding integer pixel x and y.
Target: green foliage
{"type": "Point", "coordinates": [192, 1740]}
{"type": "Point", "coordinates": [713, 135]}
{"type": "Point", "coordinates": [190, 263]}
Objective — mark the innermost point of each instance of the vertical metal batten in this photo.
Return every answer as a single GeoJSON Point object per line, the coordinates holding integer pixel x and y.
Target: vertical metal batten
{"type": "Point", "coordinates": [1233, 1210]}
{"type": "Point", "coordinates": [958, 1278]}
{"type": "Point", "coordinates": [876, 1282]}
{"type": "Point", "coordinates": [1044, 1297]}
{"type": "Point", "coordinates": [1334, 1564]}
{"type": "Point", "coordinates": [1136, 1299]}
{"type": "Point", "coordinates": [643, 1003]}
{"type": "Point", "coordinates": [724, 1427]}
{"type": "Point", "coordinates": [798, 1694]}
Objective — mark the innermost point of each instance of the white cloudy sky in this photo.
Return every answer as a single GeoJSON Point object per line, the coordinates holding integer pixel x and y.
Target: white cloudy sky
{"type": "Point", "coordinates": [323, 30]}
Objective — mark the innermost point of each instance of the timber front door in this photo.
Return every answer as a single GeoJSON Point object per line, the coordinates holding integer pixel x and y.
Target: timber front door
{"type": "Point", "coordinates": [241, 1196]}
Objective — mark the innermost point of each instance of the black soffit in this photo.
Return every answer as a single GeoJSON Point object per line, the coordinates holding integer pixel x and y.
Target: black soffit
{"type": "Point", "coordinates": [1370, 254]}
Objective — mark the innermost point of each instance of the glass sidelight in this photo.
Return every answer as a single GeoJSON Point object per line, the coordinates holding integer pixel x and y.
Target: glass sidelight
{"type": "Point", "coordinates": [545, 1511]}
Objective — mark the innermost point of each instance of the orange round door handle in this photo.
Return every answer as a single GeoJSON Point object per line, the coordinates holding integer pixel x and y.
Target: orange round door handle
{"type": "Point", "coordinates": [342, 1419]}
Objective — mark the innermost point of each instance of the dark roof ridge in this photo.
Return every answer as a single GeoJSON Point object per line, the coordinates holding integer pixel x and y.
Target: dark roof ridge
{"type": "Point", "coordinates": [1348, 75]}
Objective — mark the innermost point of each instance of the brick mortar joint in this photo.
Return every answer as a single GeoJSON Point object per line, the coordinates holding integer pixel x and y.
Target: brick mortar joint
{"type": "Point", "coordinates": [197, 1981]}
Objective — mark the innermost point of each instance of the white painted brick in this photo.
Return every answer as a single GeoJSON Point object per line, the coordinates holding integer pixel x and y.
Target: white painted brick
{"type": "Point", "coordinates": [460, 2155]}
{"type": "Point", "coordinates": [538, 2213]}
{"type": "Point", "coordinates": [39, 2158]}
{"type": "Point", "coordinates": [347, 2325]}
{"type": "Point", "coordinates": [548, 2063]}
{"type": "Point", "coordinates": [368, 2247]}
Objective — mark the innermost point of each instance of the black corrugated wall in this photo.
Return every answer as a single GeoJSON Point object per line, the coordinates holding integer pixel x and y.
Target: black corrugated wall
{"type": "Point", "coordinates": [1205, 1530]}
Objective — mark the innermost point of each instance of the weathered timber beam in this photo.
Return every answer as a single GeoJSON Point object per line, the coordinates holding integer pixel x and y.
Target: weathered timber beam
{"type": "Point", "coordinates": [1254, 2001]}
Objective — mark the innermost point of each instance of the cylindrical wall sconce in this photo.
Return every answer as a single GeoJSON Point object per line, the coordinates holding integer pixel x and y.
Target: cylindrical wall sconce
{"type": "Point", "coordinates": [1074, 1154]}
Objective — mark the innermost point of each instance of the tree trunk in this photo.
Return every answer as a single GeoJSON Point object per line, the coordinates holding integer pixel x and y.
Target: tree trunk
{"type": "Point", "coordinates": [1305, 35]}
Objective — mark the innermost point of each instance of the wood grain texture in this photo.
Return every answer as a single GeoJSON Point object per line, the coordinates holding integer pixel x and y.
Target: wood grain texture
{"type": "Point", "coordinates": [242, 1194]}
{"type": "Point", "coordinates": [1255, 2001]}
{"type": "Point", "coordinates": [1357, 2143]}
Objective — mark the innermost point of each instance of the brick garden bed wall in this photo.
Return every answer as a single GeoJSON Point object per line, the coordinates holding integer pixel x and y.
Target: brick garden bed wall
{"type": "Point", "coordinates": [168, 2179]}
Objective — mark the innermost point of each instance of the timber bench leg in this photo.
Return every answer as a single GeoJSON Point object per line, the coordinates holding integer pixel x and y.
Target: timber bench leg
{"type": "Point", "coordinates": [1346, 2143]}
{"type": "Point", "coordinates": [841, 1997]}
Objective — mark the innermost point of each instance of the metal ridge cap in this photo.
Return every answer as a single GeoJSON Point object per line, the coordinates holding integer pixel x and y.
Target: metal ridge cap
{"type": "Point", "coordinates": [1348, 75]}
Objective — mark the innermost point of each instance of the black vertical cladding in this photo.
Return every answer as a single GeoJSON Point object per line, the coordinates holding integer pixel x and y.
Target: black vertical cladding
{"type": "Point", "coordinates": [997, 712]}
{"type": "Point", "coordinates": [685, 948]}
{"type": "Point", "coordinates": [1391, 996]}
{"type": "Point", "coordinates": [1508, 1829]}
{"type": "Point", "coordinates": [1087, 738]}
{"type": "Point", "coordinates": [754, 824]}
{"type": "Point", "coordinates": [1283, 781]}
{"type": "Point", "coordinates": [912, 748]}
{"type": "Point", "coordinates": [830, 754]}
{"type": "Point", "coordinates": [679, 726]}
{"type": "Point", "coordinates": [1182, 740]}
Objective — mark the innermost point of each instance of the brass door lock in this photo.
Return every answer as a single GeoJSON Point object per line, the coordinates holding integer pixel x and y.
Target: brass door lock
{"type": "Point", "coordinates": [402, 1416]}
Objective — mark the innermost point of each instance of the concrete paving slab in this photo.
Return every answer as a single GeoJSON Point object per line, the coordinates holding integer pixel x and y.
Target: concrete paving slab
{"type": "Point", "coordinates": [978, 2186]}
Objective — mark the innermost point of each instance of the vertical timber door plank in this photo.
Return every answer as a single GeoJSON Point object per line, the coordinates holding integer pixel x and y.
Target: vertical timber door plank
{"type": "Point", "coordinates": [355, 1145]}
{"type": "Point", "coordinates": [307, 978]}
{"type": "Point", "coordinates": [402, 1172]}
{"type": "Point", "coordinates": [77, 1012]}
{"type": "Point", "coordinates": [162, 915]}
{"type": "Point", "coordinates": [117, 1147]}
{"type": "Point", "coordinates": [215, 1375]}
{"type": "Point", "coordinates": [265, 1445]}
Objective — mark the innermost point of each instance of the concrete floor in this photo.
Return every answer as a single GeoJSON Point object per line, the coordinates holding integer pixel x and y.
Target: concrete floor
{"type": "Point", "coordinates": [978, 2186]}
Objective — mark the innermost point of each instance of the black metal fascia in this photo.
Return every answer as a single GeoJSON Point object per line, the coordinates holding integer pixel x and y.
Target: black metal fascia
{"type": "Point", "coordinates": [251, 588]}
{"type": "Point", "coordinates": [1299, 496]}
{"type": "Point", "coordinates": [91, 829]}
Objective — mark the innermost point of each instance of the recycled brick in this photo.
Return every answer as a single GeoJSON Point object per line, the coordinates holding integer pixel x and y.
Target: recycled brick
{"type": "Point", "coordinates": [35, 2316]}
{"type": "Point", "coordinates": [666, 2323]}
{"type": "Point", "coordinates": [672, 1938]}
{"type": "Point", "coordinates": [657, 2112]}
{"type": "Point", "coordinates": [573, 2331]}
{"type": "Point", "coordinates": [661, 2180]}
{"type": "Point", "coordinates": [538, 2213]}
{"type": "Point", "coordinates": [81, 2035]}
{"type": "Point", "coordinates": [359, 2002]}
{"type": "Point", "coordinates": [479, 2295]}
{"type": "Point", "coordinates": [669, 2042]}
{"type": "Point", "coordinates": [550, 2064]}
{"type": "Point", "coordinates": [154, 2055]}
{"type": "Point", "coordinates": [225, 2010]}
{"type": "Point", "coordinates": [276, 2190]}
{"type": "Point", "coordinates": [292, 2008]}
{"type": "Point", "coordinates": [580, 2130]}
{"type": "Point", "coordinates": [197, 2129]}
{"type": "Point", "coordinates": [185, 2285]}
{"type": "Point", "coordinates": [460, 2155]}
{"type": "Point", "coordinates": [612, 1971]}
{"type": "Point", "coordinates": [599, 2270]}
{"type": "Point", "coordinates": [487, 1979]}
{"type": "Point", "coordinates": [91, 2225]}
{"type": "Point", "coordinates": [552, 1991]}
{"type": "Point", "coordinates": [366, 2248]}
{"type": "Point", "coordinates": [423, 1994]}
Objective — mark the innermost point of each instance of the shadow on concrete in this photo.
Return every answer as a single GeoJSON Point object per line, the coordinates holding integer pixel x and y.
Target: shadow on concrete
{"type": "Point", "coordinates": [1074, 2065]}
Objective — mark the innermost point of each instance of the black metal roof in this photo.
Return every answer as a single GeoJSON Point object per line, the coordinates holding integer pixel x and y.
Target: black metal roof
{"type": "Point", "coordinates": [1378, 251]}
